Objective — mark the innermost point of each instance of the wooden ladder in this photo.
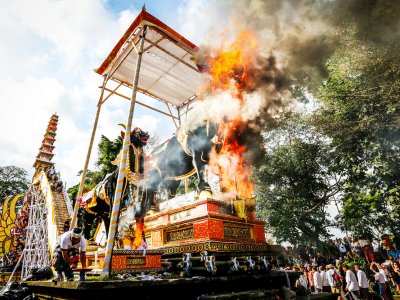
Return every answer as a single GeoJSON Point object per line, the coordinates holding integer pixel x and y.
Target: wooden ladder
{"type": "Point", "coordinates": [60, 211]}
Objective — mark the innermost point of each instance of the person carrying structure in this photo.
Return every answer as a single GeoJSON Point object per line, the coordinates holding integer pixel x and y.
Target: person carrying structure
{"type": "Point", "coordinates": [70, 247]}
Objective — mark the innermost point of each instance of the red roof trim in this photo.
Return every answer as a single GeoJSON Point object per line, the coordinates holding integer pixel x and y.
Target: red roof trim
{"type": "Point", "coordinates": [144, 16]}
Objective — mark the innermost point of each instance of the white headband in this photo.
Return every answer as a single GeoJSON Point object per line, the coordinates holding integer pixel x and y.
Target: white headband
{"type": "Point", "coordinates": [76, 235]}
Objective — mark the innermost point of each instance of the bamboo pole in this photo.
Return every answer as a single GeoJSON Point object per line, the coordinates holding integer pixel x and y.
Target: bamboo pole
{"type": "Point", "coordinates": [85, 168]}
{"type": "Point", "coordinates": [111, 93]}
{"type": "Point", "coordinates": [99, 104]}
{"type": "Point", "coordinates": [186, 185]}
{"type": "Point", "coordinates": [121, 172]}
{"type": "Point", "coordinates": [170, 112]}
{"type": "Point", "coordinates": [179, 116]}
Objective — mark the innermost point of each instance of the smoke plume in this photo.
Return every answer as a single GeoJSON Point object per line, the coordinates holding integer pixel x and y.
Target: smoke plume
{"type": "Point", "coordinates": [285, 44]}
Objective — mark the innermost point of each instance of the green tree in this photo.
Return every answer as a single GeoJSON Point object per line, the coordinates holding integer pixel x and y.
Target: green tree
{"type": "Point", "coordinates": [92, 178]}
{"type": "Point", "coordinates": [13, 181]}
{"type": "Point", "coordinates": [361, 116]}
{"type": "Point", "coordinates": [296, 182]}
{"type": "Point", "coordinates": [192, 185]}
{"type": "Point", "coordinates": [107, 152]}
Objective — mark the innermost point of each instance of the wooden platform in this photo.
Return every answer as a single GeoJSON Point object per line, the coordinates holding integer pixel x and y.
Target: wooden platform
{"type": "Point", "coordinates": [182, 288]}
{"type": "Point", "coordinates": [4, 276]}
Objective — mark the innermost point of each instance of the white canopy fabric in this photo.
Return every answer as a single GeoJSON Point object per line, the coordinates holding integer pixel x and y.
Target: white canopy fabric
{"type": "Point", "coordinates": [168, 71]}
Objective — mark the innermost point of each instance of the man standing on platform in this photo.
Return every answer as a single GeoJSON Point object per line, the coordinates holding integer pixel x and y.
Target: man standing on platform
{"type": "Point", "coordinates": [70, 247]}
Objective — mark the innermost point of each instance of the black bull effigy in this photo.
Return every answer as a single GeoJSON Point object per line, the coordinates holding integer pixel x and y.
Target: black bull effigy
{"type": "Point", "coordinates": [185, 154]}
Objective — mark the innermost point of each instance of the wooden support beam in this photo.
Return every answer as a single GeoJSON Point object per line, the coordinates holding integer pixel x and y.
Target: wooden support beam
{"type": "Point", "coordinates": [109, 95]}
{"type": "Point", "coordinates": [141, 103]}
{"type": "Point", "coordinates": [173, 55]}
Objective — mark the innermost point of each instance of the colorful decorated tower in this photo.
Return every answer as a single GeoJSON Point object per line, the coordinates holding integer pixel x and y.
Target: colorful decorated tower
{"type": "Point", "coordinates": [46, 206]}
{"type": "Point", "coordinates": [43, 159]}
{"type": "Point", "coordinates": [16, 233]}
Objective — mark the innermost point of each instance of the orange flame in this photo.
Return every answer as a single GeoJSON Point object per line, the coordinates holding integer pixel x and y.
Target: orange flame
{"type": "Point", "coordinates": [229, 163]}
{"type": "Point", "coordinates": [229, 64]}
{"type": "Point", "coordinates": [228, 69]}
{"type": "Point", "coordinates": [139, 231]}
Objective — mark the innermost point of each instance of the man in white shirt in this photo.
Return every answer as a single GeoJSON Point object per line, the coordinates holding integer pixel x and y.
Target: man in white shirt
{"type": "Point", "coordinates": [378, 276]}
{"type": "Point", "coordinates": [70, 247]}
{"type": "Point", "coordinates": [382, 271]}
{"type": "Point", "coordinates": [303, 281]}
{"type": "Point", "coordinates": [325, 283]}
{"type": "Point", "coordinates": [317, 280]}
{"type": "Point", "coordinates": [363, 282]}
{"type": "Point", "coordinates": [351, 283]}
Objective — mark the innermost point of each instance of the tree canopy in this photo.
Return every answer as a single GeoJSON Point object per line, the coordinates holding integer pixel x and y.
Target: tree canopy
{"type": "Point", "coordinates": [361, 115]}
{"type": "Point", "coordinates": [296, 183]}
{"type": "Point", "coordinates": [354, 156]}
{"type": "Point", "coordinates": [107, 152]}
{"type": "Point", "coordinates": [13, 181]}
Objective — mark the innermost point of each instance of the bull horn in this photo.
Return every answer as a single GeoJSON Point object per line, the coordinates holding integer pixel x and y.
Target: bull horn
{"type": "Point", "coordinates": [123, 133]}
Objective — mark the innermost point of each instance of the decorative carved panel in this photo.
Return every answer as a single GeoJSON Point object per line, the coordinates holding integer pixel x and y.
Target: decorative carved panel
{"type": "Point", "coordinates": [216, 228]}
{"type": "Point", "coordinates": [216, 247]}
{"type": "Point", "coordinates": [259, 234]}
{"type": "Point", "coordinates": [179, 235]}
{"type": "Point", "coordinates": [237, 233]}
{"type": "Point", "coordinates": [135, 261]}
{"type": "Point", "coordinates": [124, 261]}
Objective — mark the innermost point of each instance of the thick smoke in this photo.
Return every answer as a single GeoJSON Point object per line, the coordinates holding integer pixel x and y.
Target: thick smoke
{"type": "Point", "coordinates": [376, 21]}
{"type": "Point", "coordinates": [294, 41]}
{"type": "Point", "coordinates": [301, 35]}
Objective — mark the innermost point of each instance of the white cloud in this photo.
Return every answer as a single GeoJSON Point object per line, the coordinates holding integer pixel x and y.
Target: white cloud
{"type": "Point", "coordinates": [72, 27]}
{"type": "Point", "coordinates": [21, 132]}
{"type": "Point", "coordinates": [201, 18]}
{"type": "Point", "coordinates": [48, 52]}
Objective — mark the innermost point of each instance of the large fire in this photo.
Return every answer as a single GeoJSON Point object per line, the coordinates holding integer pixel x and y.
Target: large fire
{"type": "Point", "coordinates": [229, 64]}
{"type": "Point", "coordinates": [229, 72]}
{"type": "Point", "coordinates": [138, 239]}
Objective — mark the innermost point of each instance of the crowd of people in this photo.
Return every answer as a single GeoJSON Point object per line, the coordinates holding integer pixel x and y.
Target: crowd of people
{"type": "Point", "coordinates": [354, 268]}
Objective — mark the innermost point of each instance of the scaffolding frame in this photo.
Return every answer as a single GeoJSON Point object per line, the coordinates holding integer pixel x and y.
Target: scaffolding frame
{"type": "Point", "coordinates": [36, 252]}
